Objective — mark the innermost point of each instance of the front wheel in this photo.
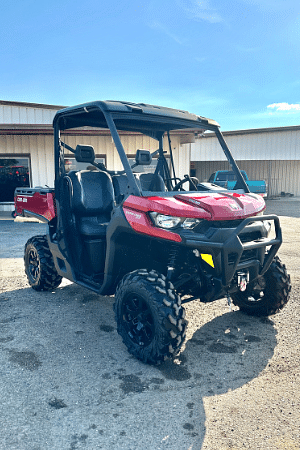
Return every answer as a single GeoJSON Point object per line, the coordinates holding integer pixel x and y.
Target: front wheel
{"type": "Point", "coordinates": [268, 295]}
{"type": "Point", "coordinates": [39, 265]}
{"type": "Point", "coordinates": [149, 316]}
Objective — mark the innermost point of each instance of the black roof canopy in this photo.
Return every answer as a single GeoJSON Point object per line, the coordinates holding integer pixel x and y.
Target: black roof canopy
{"type": "Point", "coordinates": [147, 119]}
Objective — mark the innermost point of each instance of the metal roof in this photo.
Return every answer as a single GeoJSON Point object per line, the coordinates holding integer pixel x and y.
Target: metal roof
{"type": "Point", "coordinates": [255, 131]}
{"type": "Point", "coordinates": [30, 105]}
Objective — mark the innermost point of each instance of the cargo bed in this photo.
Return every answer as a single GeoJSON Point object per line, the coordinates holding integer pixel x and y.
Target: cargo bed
{"type": "Point", "coordinates": [36, 202]}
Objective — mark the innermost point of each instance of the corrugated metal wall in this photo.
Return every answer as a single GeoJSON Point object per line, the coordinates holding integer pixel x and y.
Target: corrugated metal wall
{"type": "Point", "coordinates": [259, 145]}
{"type": "Point", "coordinates": [259, 152]}
{"type": "Point", "coordinates": [37, 143]}
{"type": "Point", "coordinates": [272, 155]}
{"type": "Point", "coordinates": [104, 145]}
{"type": "Point", "coordinates": [40, 149]}
{"type": "Point", "coordinates": [281, 176]}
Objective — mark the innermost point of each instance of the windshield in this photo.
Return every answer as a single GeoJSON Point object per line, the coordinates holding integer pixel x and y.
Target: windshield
{"type": "Point", "coordinates": [121, 124]}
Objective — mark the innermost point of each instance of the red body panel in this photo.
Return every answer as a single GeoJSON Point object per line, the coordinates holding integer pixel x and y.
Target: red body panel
{"type": "Point", "coordinates": [141, 223]}
{"type": "Point", "coordinates": [35, 200]}
{"type": "Point", "coordinates": [228, 206]}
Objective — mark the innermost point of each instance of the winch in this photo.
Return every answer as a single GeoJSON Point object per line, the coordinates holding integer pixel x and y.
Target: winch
{"type": "Point", "coordinates": [243, 280]}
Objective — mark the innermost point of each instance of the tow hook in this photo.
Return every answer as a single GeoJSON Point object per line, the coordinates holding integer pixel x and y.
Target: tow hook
{"type": "Point", "coordinates": [243, 280]}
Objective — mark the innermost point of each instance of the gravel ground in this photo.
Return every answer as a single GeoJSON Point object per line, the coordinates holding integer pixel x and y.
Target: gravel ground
{"type": "Point", "coordinates": [67, 381]}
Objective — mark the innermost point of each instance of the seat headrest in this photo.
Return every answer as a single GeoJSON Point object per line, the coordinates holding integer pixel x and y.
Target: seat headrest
{"type": "Point", "coordinates": [92, 192]}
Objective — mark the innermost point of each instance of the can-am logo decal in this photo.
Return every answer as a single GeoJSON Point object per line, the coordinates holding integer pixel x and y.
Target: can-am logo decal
{"type": "Point", "coordinates": [135, 215]}
{"type": "Point", "coordinates": [194, 201]}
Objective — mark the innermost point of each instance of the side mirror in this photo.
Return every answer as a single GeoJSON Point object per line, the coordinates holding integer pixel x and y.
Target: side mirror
{"type": "Point", "coordinates": [143, 158]}
{"type": "Point", "coordinates": [85, 153]}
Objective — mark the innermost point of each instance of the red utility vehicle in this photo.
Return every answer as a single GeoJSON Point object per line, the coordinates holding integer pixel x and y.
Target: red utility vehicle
{"type": "Point", "coordinates": [152, 239]}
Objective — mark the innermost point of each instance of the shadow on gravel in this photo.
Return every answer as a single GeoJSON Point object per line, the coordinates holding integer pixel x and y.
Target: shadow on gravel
{"type": "Point", "coordinates": [59, 351]}
{"type": "Point", "coordinates": [65, 343]}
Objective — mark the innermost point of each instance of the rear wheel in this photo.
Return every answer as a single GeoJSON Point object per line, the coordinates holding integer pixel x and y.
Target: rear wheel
{"type": "Point", "coordinates": [268, 295]}
{"type": "Point", "coordinates": [39, 265]}
{"type": "Point", "coordinates": [149, 316]}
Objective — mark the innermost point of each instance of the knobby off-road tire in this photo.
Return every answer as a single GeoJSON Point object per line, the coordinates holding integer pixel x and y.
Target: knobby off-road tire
{"type": "Point", "coordinates": [269, 295]}
{"type": "Point", "coordinates": [39, 265]}
{"type": "Point", "coordinates": [149, 316]}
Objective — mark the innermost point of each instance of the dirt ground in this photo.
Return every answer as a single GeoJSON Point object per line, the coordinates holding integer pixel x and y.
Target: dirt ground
{"type": "Point", "coordinates": [67, 381]}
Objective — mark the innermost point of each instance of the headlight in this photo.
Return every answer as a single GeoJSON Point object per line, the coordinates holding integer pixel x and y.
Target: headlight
{"type": "Point", "coordinates": [163, 221]}
{"type": "Point", "coordinates": [190, 223]}
{"type": "Point", "coordinates": [169, 222]}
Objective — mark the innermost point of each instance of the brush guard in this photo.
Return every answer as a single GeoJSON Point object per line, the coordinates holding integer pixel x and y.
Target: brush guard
{"type": "Point", "coordinates": [226, 266]}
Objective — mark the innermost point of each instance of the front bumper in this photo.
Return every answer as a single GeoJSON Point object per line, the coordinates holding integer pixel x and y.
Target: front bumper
{"type": "Point", "coordinates": [238, 252]}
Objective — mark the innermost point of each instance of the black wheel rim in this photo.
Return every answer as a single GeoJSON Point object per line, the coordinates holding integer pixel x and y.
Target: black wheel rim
{"type": "Point", "coordinates": [257, 293]}
{"type": "Point", "coordinates": [33, 265]}
{"type": "Point", "coordinates": [138, 320]}
{"type": "Point", "coordinates": [255, 297]}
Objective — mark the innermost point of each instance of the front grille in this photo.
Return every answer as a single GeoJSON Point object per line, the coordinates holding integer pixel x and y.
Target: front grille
{"type": "Point", "coordinates": [248, 237]}
{"type": "Point", "coordinates": [209, 227]}
{"type": "Point", "coordinates": [247, 255]}
{"type": "Point", "coordinates": [226, 223]}
{"type": "Point", "coordinates": [252, 232]}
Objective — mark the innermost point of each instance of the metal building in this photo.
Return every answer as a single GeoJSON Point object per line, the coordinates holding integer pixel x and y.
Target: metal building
{"type": "Point", "coordinates": [272, 154]}
{"type": "Point", "coordinates": [26, 151]}
{"type": "Point", "coordinates": [26, 147]}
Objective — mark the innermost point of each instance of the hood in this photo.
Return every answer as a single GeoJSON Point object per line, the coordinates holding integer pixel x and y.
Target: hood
{"type": "Point", "coordinates": [209, 206]}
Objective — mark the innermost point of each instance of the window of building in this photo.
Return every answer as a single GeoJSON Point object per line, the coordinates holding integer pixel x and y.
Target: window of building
{"type": "Point", "coordinates": [14, 172]}
{"type": "Point", "coordinates": [72, 164]}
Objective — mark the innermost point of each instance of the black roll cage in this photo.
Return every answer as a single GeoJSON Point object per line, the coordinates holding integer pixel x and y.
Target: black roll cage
{"type": "Point", "coordinates": [150, 120]}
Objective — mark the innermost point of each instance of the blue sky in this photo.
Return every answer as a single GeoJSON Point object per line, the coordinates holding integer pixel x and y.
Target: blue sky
{"type": "Point", "coordinates": [236, 62]}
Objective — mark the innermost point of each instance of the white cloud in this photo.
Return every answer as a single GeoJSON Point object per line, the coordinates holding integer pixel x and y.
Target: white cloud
{"type": "Point", "coordinates": [161, 27]}
{"type": "Point", "coordinates": [199, 10]}
{"type": "Point", "coordinates": [285, 106]}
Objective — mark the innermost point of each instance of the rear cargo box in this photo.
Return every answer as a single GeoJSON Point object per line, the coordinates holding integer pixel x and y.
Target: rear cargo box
{"type": "Point", "coordinates": [35, 202]}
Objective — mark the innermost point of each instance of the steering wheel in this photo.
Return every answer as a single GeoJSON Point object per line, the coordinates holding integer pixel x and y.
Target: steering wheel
{"type": "Point", "coordinates": [101, 166]}
{"type": "Point", "coordinates": [186, 178]}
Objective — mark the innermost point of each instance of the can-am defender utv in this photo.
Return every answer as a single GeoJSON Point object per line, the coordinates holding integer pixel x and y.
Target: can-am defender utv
{"type": "Point", "coordinates": [153, 240]}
